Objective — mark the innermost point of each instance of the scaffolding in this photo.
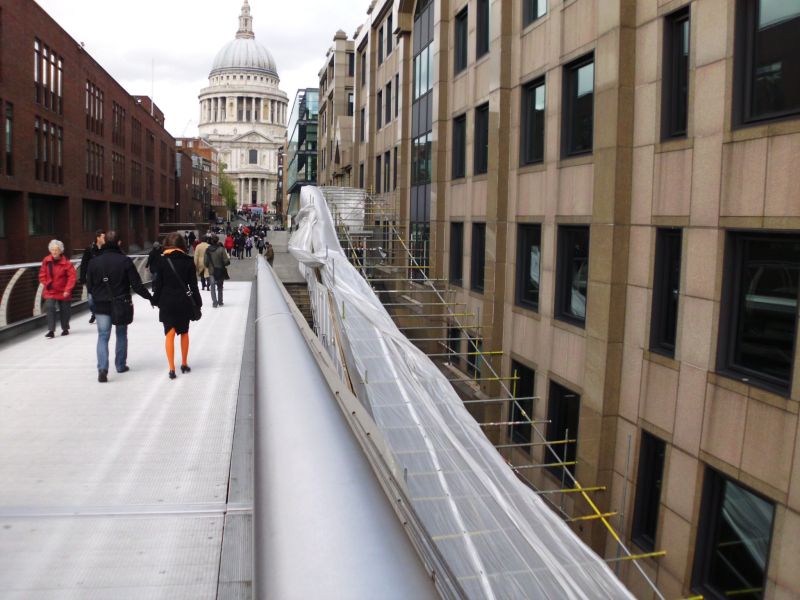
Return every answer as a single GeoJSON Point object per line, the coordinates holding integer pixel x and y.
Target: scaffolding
{"type": "Point", "coordinates": [370, 235]}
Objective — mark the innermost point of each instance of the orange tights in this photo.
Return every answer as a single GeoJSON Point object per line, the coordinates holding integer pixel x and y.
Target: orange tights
{"type": "Point", "coordinates": [170, 345]}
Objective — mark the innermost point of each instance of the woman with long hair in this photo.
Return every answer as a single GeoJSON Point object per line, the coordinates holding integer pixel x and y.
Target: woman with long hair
{"type": "Point", "coordinates": [177, 297]}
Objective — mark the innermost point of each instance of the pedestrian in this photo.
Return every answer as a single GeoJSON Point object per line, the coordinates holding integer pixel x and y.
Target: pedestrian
{"type": "Point", "coordinates": [216, 260]}
{"type": "Point", "coordinates": [200, 262]}
{"type": "Point", "coordinates": [270, 254]}
{"type": "Point", "coordinates": [57, 275]}
{"type": "Point", "coordinates": [154, 261]}
{"type": "Point", "coordinates": [229, 243]}
{"type": "Point", "coordinates": [177, 298]}
{"type": "Point", "coordinates": [260, 245]}
{"type": "Point", "coordinates": [190, 240]}
{"type": "Point", "coordinates": [88, 254]}
{"type": "Point", "coordinates": [110, 278]}
{"type": "Point", "coordinates": [240, 247]}
{"type": "Point", "coordinates": [248, 246]}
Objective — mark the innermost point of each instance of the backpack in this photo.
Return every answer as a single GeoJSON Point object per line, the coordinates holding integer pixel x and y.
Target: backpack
{"type": "Point", "coordinates": [249, 243]}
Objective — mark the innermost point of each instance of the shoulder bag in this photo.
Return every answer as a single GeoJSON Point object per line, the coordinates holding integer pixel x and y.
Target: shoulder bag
{"type": "Point", "coordinates": [195, 310]}
{"type": "Point", "coordinates": [121, 306]}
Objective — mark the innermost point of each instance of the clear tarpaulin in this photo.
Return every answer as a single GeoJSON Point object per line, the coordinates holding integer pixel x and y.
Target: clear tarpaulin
{"type": "Point", "coordinates": [499, 539]}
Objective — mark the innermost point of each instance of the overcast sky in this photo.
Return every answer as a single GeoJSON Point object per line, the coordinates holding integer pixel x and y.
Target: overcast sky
{"type": "Point", "coordinates": [183, 36]}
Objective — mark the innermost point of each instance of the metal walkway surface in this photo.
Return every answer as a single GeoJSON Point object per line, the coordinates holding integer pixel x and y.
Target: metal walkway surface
{"type": "Point", "coordinates": [118, 490]}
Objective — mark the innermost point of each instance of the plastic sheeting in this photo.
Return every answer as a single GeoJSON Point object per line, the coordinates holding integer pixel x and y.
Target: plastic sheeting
{"type": "Point", "coordinates": [498, 537]}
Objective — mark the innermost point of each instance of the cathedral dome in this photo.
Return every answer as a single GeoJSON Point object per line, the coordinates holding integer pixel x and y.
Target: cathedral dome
{"type": "Point", "coordinates": [244, 53]}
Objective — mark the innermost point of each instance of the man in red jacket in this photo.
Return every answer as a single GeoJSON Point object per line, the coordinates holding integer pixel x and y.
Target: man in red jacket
{"type": "Point", "coordinates": [57, 275]}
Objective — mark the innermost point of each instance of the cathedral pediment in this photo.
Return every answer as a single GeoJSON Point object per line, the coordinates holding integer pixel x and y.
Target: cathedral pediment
{"type": "Point", "coordinates": [253, 137]}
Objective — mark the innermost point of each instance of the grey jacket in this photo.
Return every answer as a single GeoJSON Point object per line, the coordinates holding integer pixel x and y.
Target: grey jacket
{"type": "Point", "coordinates": [216, 258]}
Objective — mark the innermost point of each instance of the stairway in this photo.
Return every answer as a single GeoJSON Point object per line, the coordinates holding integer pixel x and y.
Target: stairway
{"type": "Point", "coordinates": [299, 293]}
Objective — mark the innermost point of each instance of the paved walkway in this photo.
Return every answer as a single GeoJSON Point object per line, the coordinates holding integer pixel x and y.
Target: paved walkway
{"type": "Point", "coordinates": [119, 490]}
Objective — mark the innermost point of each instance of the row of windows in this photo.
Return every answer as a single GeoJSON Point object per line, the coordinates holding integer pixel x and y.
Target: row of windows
{"type": "Point", "coordinates": [388, 29]}
{"type": "Point", "coordinates": [48, 77]}
{"type": "Point", "coordinates": [48, 151]}
{"type": "Point", "coordinates": [385, 179]}
{"type": "Point", "coordinates": [461, 33]}
{"type": "Point", "coordinates": [477, 255]}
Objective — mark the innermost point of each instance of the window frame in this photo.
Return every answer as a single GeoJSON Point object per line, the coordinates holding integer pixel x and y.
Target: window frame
{"type": "Point", "coordinates": [480, 141]}
{"type": "Point", "coordinates": [669, 242]}
{"type": "Point", "coordinates": [523, 231]}
{"type": "Point", "coordinates": [482, 29]}
{"type": "Point", "coordinates": [456, 258]}
{"type": "Point", "coordinates": [730, 309]}
{"type": "Point", "coordinates": [477, 269]}
{"type": "Point", "coordinates": [560, 407]}
{"type": "Point", "coordinates": [461, 41]}
{"type": "Point", "coordinates": [649, 486]}
{"type": "Point", "coordinates": [670, 92]}
{"type": "Point", "coordinates": [562, 293]}
{"type": "Point", "coordinates": [568, 100]}
{"type": "Point", "coordinates": [459, 156]}
{"type": "Point", "coordinates": [529, 15]}
{"type": "Point", "coordinates": [525, 127]}
{"type": "Point", "coordinates": [522, 434]}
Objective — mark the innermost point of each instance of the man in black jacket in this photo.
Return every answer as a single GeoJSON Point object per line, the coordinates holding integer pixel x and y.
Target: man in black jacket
{"type": "Point", "coordinates": [88, 254]}
{"type": "Point", "coordinates": [112, 275]}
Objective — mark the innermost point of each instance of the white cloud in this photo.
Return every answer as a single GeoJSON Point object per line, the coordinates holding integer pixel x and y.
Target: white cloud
{"type": "Point", "coordinates": [180, 38]}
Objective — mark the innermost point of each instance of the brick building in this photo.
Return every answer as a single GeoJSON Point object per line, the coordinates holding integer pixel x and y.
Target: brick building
{"type": "Point", "coordinates": [79, 152]}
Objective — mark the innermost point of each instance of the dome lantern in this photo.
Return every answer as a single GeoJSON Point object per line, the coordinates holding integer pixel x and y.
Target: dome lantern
{"type": "Point", "coordinates": [244, 54]}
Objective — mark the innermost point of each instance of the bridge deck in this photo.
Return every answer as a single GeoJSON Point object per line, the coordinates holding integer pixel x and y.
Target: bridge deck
{"type": "Point", "coordinates": [118, 490]}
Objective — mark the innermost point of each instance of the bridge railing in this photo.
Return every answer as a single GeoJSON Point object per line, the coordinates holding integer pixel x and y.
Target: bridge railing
{"type": "Point", "coordinates": [21, 293]}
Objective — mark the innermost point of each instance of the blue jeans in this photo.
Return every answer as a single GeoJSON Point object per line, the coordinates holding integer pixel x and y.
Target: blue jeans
{"type": "Point", "coordinates": [103, 336]}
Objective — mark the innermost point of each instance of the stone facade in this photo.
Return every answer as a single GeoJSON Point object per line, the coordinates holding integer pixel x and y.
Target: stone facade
{"type": "Point", "coordinates": [243, 114]}
{"type": "Point", "coordinates": [720, 424]}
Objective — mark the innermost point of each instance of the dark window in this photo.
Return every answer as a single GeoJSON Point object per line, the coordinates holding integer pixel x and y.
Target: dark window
{"type": "Point", "coordinates": [361, 176]}
{"type": "Point", "coordinates": [666, 291]}
{"type": "Point", "coordinates": [563, 410]}
{"type": "Point", "coordinates": [387, 166]}
{"type": "Point", "coordinates": [572, 274]}
{"type": "Point", "coordinates": [648, 491]}
{"type": "Point", "coordinates": [388, 35]}
{"type": "Point", "coordinates": [41, 215]}
{"type": "Point", "coordinates": [457, 254]}
{"type": "Point", "coordinates": [380, 46]}
{"type": "Point", "coordinates": [9, 136]}
{"type": "Point", "coordinates": [362, 125]}
{"type": "Point", "coordinates": [459, 146]}
{"type": "Point", "coordinates": [253, 157]}
{"type": "Point", "coordinates": [350, 104]}
{"type": "Point", "coordinates": [454, 344]}
{"type": "Point", "coordinates": [379, 110]}
{"type": "Point", "coordinates": [363, 68]}
{"type": "Point", "coordinates": [733, 540]}
{"type": "Point", "coordinates": [351, 64]}
{"type": "Point", "coordinates": [473, 356]}
{"type": "Point", "coordinates": [759, 302]}
{"type": "Point", "coordinates": [2, 219]}
{"type": "Point", "coordinates": [394, 169]}
{"type": "Point", "coordinates": [675, 87]}
{"type": "Point", "coordinates": [578, 111]}
{"type": "Point", "coordinates": [532, 10]}
{"type": "Point", "coordinates": [481, 150]}
{"type": "Point", "coordinates": [388, 102]}
{"type": "Point", "coordinates": [767, 59]}
{"type": "Point", "coordinates": [378, 174]}
{"type": "Point", "coordinates": [478, 258]}
{"type": "Point", "coordinates": [528, 265]}
{"type": "Point", "coordinates": [460, 42]}
{"type": "Point", "coordinates": [396, 95]}
{"type": "Point", "coordinates": [482, 26]}
{"type": "Point", "coordinates": [522, 407]}
{"type": "Point", "coordinates": [532, 126]}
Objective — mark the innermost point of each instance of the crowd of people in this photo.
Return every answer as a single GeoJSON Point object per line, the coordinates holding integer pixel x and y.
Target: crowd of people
{"type": "Point", "coordinates": [175, 267]}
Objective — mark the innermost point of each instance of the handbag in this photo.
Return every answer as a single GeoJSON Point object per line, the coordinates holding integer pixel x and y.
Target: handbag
{"type": "Point", "coordinates": [196, 312]}
{"type": "Point", "coordinates": [121, 306]}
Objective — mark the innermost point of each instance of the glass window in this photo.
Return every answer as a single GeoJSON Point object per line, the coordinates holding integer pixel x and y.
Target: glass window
{"type": "Point", "coordinates": [253, 157]}
{"type": "Point", "coordinates": [387, 166]}
{"type": "Point", "coordinates": [394, 168]}
{"type": "Point", "coordinates": [388, 102]}
{"type": "Point", "coordinates": [378, 174]}
{"type": "Point", "coordinates": [760, 298]}
{"type": "Point", "coordinates": [396, 95]}
{"type": "Point", "coordinates": [460, 54]}
{"type": "Point", "coordinates": [41, 216]}
{"type": "Point", "coordinates": [351, 64]}
{"type": "Point", "coordinates": [457, 254]}
{"type": "Point", "coordinates": [563, 412]}
{"type": "Point", "coordinates": [482, 29]}
{"type": "Point", "coordinates": [572, 274]}
{"type": "Point", "coordinates": [666, 291]}
{"type": "Point", "coordinates": [522, 407]}
{"type": "Point", "coordinates": [532, 10]}
{"type": "Point", "coordinates": [528, 265]}
{"type": "Point", "coordinates": [675, 88]}
{"type": "Point", "coordinates": [361, 176]}
{"type": "Point", "coordinates": [350, 104]}
{"type": "Point", "coordinates": [2, 219]}
{"type": "Point", "coordinates": [733, 540]}
{"type": "Point", "coordinates": [473, 356]}
{"type": "Point", "coordinates": [379, 110]}
{"type": "Point", "coordinates": [768, 59]}
{"type": "Point", "coordinates": [478, 258]}
{"type": "Point", "coordinates": [533, 120]}
{"type": "Point", "coordinates": [380, 45]}
{"type": "Point", "coordinates": [362, 125]}
{"type": "Point", "coordinates": [363, 58]}
{"type": "Point", "coordinates": [578, 113]}
{"type": "Point", "coordinates": [648, 491]}
{"type": "Point", "coordinates": [454, 344]}
{"type": "Point", "coordinates": [459, 146]}
{"type": "Point", "coordinates": [389, 35]}
{"type": "Point", "coordinates": [481, 149]}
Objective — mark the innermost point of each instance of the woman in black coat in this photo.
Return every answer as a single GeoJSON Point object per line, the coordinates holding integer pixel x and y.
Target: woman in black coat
{"type": "Point", "coordinates": [171, 295]}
